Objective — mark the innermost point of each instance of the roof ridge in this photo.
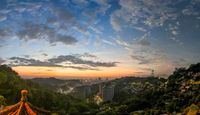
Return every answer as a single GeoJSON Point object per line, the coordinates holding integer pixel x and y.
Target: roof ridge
{"type": "Point", "coordinates": [23, 107]}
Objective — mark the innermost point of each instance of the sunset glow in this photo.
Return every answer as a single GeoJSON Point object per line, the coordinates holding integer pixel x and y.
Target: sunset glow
{"type": "Point", "coordinates": [98, 38]}
{"type": "Point", "coordinates": [71, 73]}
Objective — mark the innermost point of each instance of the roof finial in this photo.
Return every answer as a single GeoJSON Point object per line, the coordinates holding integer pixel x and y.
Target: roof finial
{"type": "Point", "coordinates": [24, 95]}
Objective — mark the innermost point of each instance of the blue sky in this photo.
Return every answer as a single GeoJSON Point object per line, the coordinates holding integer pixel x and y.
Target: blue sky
{"type": "Point", "coordinates": [99, 36]}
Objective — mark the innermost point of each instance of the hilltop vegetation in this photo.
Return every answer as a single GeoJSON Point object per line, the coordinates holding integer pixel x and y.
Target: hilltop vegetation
{"type": "Point", "coordinates": [133, 95]}
{"type": "Point", "coordinates": [180, 93]}
{"type": "Point", "coordinates": [11, 84]}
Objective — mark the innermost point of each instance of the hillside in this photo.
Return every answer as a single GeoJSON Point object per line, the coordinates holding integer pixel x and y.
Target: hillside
{"type": "Point", "coordinates": [177, 94]}
{"type": "Point", "coordinates": [58, 85]}
{"type": "Point", "coordinates": [11, 84]}
{"type": "Point", "coordinates": [180, 93]}
{"type": "Point", "coordinates": [48, 81]}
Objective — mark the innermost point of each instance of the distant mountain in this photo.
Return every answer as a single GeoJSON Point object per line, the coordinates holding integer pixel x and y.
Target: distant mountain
{"type": "Point", "coordinates": [11, 84]}
{"type": "Point", "coordinates": [178, 94]}
{"type": "Point", "coordinates": [129, 86]}
{"type": "Point", "coordinates": [58, 85]}
{"type": "Point", "coordinates": [48, 81]}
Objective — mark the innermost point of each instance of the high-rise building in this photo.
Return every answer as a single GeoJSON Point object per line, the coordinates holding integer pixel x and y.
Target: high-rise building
{"type": "Point", "coordinates": [108, 93]}
{"type": "Point", "coordinates": [100, 90]}
{"type": "Point", "coordinates": [87, 90]}
{"type": "Point", "coordinates": [81, 92]}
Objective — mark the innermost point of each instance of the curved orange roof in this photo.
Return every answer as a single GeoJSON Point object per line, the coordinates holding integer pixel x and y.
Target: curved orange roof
{"type": "Point", "coordinates": [23, 107]}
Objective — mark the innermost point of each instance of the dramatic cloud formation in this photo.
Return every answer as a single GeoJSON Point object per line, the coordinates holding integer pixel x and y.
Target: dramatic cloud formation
{"type": "Point", "coordinates": [141, 59]}
{"type": "Point", "coordinates": [18, 61]}
{"type": "Point", "coordinates": [148, 15]}
{"type": "Point", "coordinates": [149, 12]}
{"type": "Point", "coordinates": [75, 60]}
{"type": "Point", "coordinates": [66, 61]}
{"type": "Point", "coordinates": [2, 61]}
{"type": "Point", "coordinates": [115, 22]}
{"type": "Point", "coordinates": [4, 33]}
{"type": "Point", "coordinates": [144, 40]}
{"type": "Point", "coordinates": [136, 33]}
{"type": "Point", "coordinates": [31, 31]}
{"type": "Point", "coordinates": [2, 18]}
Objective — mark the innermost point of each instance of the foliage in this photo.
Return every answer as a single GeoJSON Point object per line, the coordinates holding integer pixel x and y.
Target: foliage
{"type": "Point", "coordinates": [134, 95]}
{"type": "Point", "coordinates": [2, 100]}
{"type": "Point", "coordinates": [3, 78]}
{"type": "Point", "coordinates": [11, 85]}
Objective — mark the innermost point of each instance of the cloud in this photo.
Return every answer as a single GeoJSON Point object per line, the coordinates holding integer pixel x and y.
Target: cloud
{"type": "Point", "coordinates": [80, 2]}
{"type": "Point", "coordinates": [174, 32]}
{"type": "Point", "coordinates": [26, 56]}
{"type": "Point", "coordinates": [65, 61]}
{"type": "Point", "coordinates": [44, 54]}
{"type": "Point", "coordinates": [121, 42]}
{"type": "Point", "coordinates": [85, 55]}
{"type": "Point", "coordinates": [146, 69]}
{"type": "Point", "coordinates": [66, 39]}
{"type": "Point", "coordinates": [95, 30]}
{"type": "Point", "coordinates": [88, 55]}
{"type": "Point", "coordinates": [82, 68]}
{"type": "Point", "coordinates": [143, 53]}
{"type": "Point", "coordinates": [4, 11]}
{"type": "Point", "coordinates": [76, 60]}
{"type": "Point", "coordinates": [17, 61]}
{"type": "Point", "coordinates": [63, 14]}
{"type": "Point", "coordinates": [181, 62]}
{"type": "Point", "coordinates": [114, 21]}
{"type": "Point", "coordinates": [144, 40]}
{"type": "Point", "coordinates": [26, 6]}
{"type": "Point", "coordinates": [104, 6]}
{"type": "Point", "coordinates": [101, 6]}
{"type": "Point", "coordinates": [141, 59]}
{"type": "Point", "coordinates": [1, 61]}
{"type": "Point", "coordinates": [108, 42]}
{"type": "Point", "coordinates": [34, 27]}
{"type": "Point", "coordinates": [150, 14]}
{"type": "Point", "coordinates": [32, 31]}
{"type": "Point", "coordinates": [101, 2]}
{"type": "Point", "coordinates": [52, 22]}
{"type": "Point", "coordinates": [4, 33]}
{"type": "Point", "coordinates": [174, 28]}
{"type": "Point", "coordinates": [3, 18]}
{"type": "Point", "coordinates": [140, 29]}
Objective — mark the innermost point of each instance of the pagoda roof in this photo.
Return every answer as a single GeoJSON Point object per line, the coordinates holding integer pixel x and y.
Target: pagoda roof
{"type": "Point", "coordinates": [23, 107]}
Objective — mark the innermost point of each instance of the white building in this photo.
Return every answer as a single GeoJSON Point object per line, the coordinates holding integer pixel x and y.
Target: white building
{"type": "Point", "coordinates": [108, 93]}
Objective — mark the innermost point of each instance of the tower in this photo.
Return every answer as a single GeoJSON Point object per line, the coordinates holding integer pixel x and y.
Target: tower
{"type": "Point", "coordinates": [108, 93]}
{"type": "Point", "coordinates": [100, 89]}
{"type": "Point", "coordinates": [152, 73]}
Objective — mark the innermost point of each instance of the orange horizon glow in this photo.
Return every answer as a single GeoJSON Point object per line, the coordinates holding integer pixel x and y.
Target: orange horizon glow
{"type": "Point", "coordinates": [31, 71]}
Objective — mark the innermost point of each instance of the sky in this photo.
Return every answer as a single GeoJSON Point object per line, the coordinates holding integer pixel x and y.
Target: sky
{"type": "Point", "coordinates": [99, 38]}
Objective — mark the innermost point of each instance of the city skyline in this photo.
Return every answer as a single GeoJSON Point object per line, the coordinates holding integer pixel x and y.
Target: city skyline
{"type": "Point", "coordinates": [98, 38]}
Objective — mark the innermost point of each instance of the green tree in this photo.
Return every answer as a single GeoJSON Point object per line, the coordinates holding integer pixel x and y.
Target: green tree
{"type": "Point", "coordinates": [2, 100]}
{"type": "Point", "coordinates": [73, 111]}
{"type": "Point", "coordinates": [171, 107]}
{"type": "Point", "coordinates": [122, 109]}
{"type": "Point", "coordinates": [3, 78]}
